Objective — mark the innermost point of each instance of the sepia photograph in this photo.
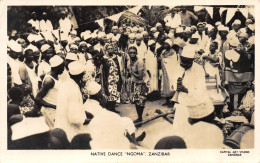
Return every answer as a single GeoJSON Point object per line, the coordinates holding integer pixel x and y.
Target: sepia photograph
{"type": "Point", "coordinates": [130, 77]}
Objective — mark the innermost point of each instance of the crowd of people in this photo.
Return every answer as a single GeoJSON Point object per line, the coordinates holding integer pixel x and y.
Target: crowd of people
{"type": "Point", "coordinates": [75, 80]}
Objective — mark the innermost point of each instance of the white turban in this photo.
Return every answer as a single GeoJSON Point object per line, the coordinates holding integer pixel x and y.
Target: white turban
{"type": "Point", "coordinates": [93, 88]}
{"type": "Point", "coordinates": [76, 68]}
{"type": "Point", "coordinates": [150, 42]}
{"type": "Point", "coordinates": [169, 42]}
{"type": "Point", "coordinates": [188, 52]}
{"type": "Point", "coordinates": [56, 61]}
{"type": "Point", "coordinates": [45, 47]}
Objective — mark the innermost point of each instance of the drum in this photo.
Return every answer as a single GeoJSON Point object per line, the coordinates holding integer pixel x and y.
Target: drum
{"type": "Point", "coordinates": [234, 139]}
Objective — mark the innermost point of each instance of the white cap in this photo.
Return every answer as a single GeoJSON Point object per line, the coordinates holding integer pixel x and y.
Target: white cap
{"type": "Point", "coordinates": [169, 42]}
{"type": "Point", "coordinates": [243, 34]}
{"type": "Point", "coordinates": [110, 35]}
{"type": "Point", "coordinates": [220, 27]}
{"type": "Point", "coordinates": [187, 29]}
{"type": "Point", "coordinates": [251, 27]}
{"type": "Point", "coordinates": [141, 29]}
{"type": "Point", "coordinates": [73, 46]}
{"type": "Point", "coordinates": [82, 43]}
{"type": "Point", "coordinates": [251, 40]}
{"type": "Point", "coordinates": [20, 39]}
{"type": "Point", "coordinates": [145, 33]}
{"type": "Point", "coordinates": [210, 27]}
{"type": "Point", "coordinates": [114, 27]}
{"type": "Point", "coordinates": [93, 88]}
{"type": "Point", "coordinates": [32, 47]}
{"type": "Point", "coordinates": [201, 23]}
{"type": "Point", "coordinates": [150, 42]}
{"type": "Point", "coordinates": [237, 21]}
{"type": "Point", "coordinates": [94, 35]}
{"type": "Point", "coordinates": [156, 34]}
{"type": "Point", "coordinates": [72, 56]}
{"type": "Point", "coordinates": [223, 28]}
{"type": "Point", "coordinates": [188, 52]}
{"type": "Point", "coordinates": [179, 30]}
{"type": "Point", "coordinates": [14, 46]}
{"type": "Point", "coordinates": [101, 35]}
{"type": "Point", "coordinates": [168, 24]}
{"type": "Point", "coordinates": [217, 23]}
{"type": "Point", "coordinates": [74, 32]}
{"type": "Point", "coordinates": [132, 35]}
{"type": "Point", "coordinates": [114, 38]}
{"type": "Point", "coordinates": [139, 36]}
{"type": "Point", "coordinates": [195, 35]}
{"type": "Point", "coordinates": [76, 68]}
{"type": "Point", "coordinates": [76, 39]}
{"type": "Point", "coordinates": [153, 29]}
{"type": "Point", "coordinates": [45, 47]}
{"type": "Point", "coordinates": [199, 105]}
{"type": "Point", "coordinates": [56, 61]}
{"type": "Point", "coordinates": [158, 24]}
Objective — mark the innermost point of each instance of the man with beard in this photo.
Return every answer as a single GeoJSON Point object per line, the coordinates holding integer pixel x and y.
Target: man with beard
{"type": "Point", "coordinates": [47, 96]}
{"type": "Point", "coordinates": [45, 24]}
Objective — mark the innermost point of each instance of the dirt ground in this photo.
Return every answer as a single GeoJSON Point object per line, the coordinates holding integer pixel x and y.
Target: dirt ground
{"type": "Point", "coordinates": [156, 129]}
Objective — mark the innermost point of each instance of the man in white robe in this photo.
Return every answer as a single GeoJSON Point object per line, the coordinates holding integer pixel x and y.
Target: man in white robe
{"type": "Point", "coordinates": [70, 113]}
{"type": "Point", "coordinates": [191, 79]}
{"type": "Point", "coordinates": [45, 24]}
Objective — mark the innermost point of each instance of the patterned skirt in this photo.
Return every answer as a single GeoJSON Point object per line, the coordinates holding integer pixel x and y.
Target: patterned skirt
{"type": "Point", "coordinates": [140, 91]}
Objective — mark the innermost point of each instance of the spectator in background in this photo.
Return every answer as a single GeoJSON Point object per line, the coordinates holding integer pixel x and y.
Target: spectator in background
{"type": "Point", "coordinates": [187, 17]}
{"type": "Point", "coordinates": [34, 22]}
{"type": "Point", "coordinates": [45, 24]}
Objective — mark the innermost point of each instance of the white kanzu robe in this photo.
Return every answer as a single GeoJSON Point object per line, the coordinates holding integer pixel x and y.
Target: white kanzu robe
{"type": "Point", "coordinates": [70, 113]}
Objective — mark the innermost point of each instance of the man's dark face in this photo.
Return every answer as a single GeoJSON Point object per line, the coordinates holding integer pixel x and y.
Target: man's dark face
{"type": "Point", "coordinates": [167, 29]}
{"type": "Point", "coordinates": [44, 17]}
{"type": "Point", "coordinates": [48, 55]}
{"type": "Point", "coordinates": [29, 55]}
{"type": "Point", "coordinates": [98, 60]}
{"type": "Point", "coordinates": [132, 53]}
{"type": "Point", "coordinates": [110, 50]}
{"type": "Point", "coordinates": [63, 15]}
{"type": "Point", "coordinates": [160, 28]}
{"type": "Point", "coordinates": [183, 10]}
{"type": "Point", "coordinates": [138, 41]}
{"type": "Point", "coordinates": [223, 34]}
{"type": "Point", "coordinates": [84, 48]}
{"type": "Point", "coordinates": [213, 32]}
{"type": "Point", "coordinates": [186, 63]}
{"type": "Point", "coordinates": [34, 16]}
{"type": "Point", "coordinates": [60, 68]}
{"type": "Point", "coordinates": [200, 28]}
{"type": "Point", "coordinates": [36, 55]}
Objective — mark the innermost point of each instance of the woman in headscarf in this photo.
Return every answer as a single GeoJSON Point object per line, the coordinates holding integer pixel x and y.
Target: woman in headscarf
{"type": "Point", "coordinates": [168, 62]}
{"type": "Point", "coordinates": [112, 78]}
{"type": "Point", "coordinates": [138, 76]}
